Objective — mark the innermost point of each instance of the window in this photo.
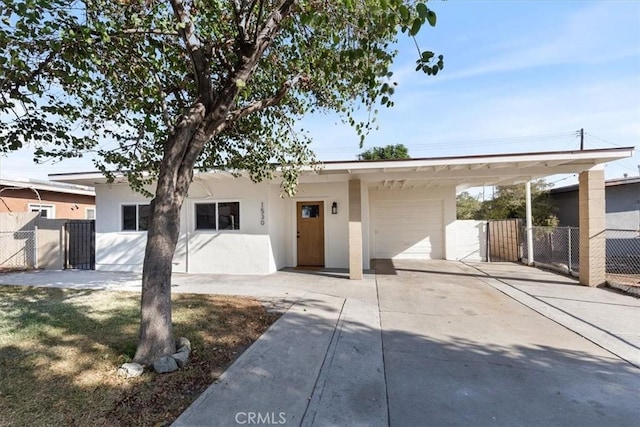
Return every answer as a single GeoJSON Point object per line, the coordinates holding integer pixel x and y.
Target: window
{"type": "Point", "coordinates": [46, 211]}
{"type": "Point", "coordinates": [206, 216]}
{"type": "Point", "coordinates": [135, 217]}
{"type": "Point", "coordinates": [90, 213]}
{"type": "Point", "coordinates": [218, 216]}
{"type": "Point", "coordinates": [310, 211]}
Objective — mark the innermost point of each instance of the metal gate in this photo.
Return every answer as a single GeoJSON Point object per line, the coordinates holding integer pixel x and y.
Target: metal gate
{"type": "Point", "coordinates": [504, 241]}
{"type": "Point", "coordinates": [80, 244]}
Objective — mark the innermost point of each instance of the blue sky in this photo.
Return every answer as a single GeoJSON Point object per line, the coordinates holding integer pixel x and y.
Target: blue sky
{"type": "Point", "coordinates": [518, 76]}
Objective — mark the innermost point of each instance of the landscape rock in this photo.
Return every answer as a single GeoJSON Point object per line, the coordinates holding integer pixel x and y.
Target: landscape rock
{"type": "Point", "coordinates": [165, 365]}
{"type": "Point", "coordinates": [181, 357]}
{"type": "Point", "coordinates": [183, 342]}
{"type": "Point", "coordinates": [130, 370]}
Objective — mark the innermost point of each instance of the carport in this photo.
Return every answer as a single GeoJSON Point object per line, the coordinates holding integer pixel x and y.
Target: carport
{"type": "Point", "coordinates": [377, 200]}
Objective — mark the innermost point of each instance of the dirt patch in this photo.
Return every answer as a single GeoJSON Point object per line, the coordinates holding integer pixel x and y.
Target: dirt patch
{"type": "Point", "coordinates": [60, 349]}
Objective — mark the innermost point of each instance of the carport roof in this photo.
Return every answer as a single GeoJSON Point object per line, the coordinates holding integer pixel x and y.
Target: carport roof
{"type": "Point", "coordinates": [461, 171]}
{"type": "Point", "coordinates": [477, 170]}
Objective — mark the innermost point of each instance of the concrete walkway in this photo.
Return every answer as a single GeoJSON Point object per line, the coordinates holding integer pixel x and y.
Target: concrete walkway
{"type": "Point", "coordinates": [419, 343]}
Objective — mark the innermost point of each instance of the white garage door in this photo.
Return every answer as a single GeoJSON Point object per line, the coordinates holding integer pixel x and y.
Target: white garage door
{"type": "Point", "coordinates": [410, 229]}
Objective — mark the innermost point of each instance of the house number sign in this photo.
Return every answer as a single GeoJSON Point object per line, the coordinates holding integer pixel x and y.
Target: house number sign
{"type": "Point", "coordinates": [261, 213]}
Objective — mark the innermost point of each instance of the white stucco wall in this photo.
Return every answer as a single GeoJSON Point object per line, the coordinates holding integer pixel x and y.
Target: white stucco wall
{"type": "Point", "coordinates": [469, 239]}
{"type": "Point", "coordinates": [115, 249]}
{"type": "Point", "coordinates": [279, 217]}
{"type": "Point", "coordinates": [244, 251]}
{"type": "Point", "coordinates": [266, 240]}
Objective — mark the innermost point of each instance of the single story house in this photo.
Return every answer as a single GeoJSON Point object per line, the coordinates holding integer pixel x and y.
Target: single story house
{"type": "Point", "coordinates": [343, 215]}
{"type": "Point", "coordinates": [622, 204]}
{"type": "Point", "coordinates": [53, 200]}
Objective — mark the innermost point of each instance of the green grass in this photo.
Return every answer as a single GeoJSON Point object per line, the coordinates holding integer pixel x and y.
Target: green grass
{"type": "Point", "coordinates": [60, 350]}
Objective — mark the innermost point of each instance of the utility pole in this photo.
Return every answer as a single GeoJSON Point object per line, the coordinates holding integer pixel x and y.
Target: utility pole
{"type": "Point", "coordinates": [581, 139]}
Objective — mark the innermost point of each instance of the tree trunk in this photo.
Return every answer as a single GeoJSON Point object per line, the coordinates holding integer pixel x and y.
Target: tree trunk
{"type": "Point", "coordinates": [156, 330]}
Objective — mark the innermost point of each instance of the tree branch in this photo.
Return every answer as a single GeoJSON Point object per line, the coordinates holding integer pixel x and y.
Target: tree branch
{"type": "Point", "coordinates": [165, 110]}
{"type": "Point", "coordinates": [263, 103]}
{"type": "Point", "coordinates": [217, 116]}
{"type": "Point", "coordinates": [5, 85]}
{"type": "Point", "coordinates": [196, 52]}
{"type": "Point", "coordinates": [248, 61]}
{"type": "Point", "coordinates": [148, 31]}
{"type": "Point", "coordinates": [258, 18]}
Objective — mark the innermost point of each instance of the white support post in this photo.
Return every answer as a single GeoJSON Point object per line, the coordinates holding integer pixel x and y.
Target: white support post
{"type": "Point", "coordinates": [530, 259]}
{"type": "Point", "coordinates": [35, 247]}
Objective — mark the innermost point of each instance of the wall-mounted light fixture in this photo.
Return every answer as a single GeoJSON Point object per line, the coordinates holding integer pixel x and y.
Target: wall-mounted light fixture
{"type": "Point", "coordinates": [334, 208]}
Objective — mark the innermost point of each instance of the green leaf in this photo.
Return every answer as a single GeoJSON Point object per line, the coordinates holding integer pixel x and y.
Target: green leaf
{"type": "Point", "coordinates": [415, 27]}
{"type": "Point", "coordinates": [422, 10]}
{"type": "Point", "coordinates": [431, 17]}
{"type": "Point", "coordinates": [427, 55]}
{"type": "Point", "coordinates": [404, 13]}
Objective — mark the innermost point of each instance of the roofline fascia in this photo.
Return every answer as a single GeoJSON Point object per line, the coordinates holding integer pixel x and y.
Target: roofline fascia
{"type": "Point", "coordinates": [349, 165]}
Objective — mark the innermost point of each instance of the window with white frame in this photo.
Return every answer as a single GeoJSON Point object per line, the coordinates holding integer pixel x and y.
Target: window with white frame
{"type": "Point", "coordinates": [90, 213]}
{"type": "Point", "coordinates": [45, 211]}
{"type": "Point", "coordinates": [135, 217]}
{"type": "Point", "coordinates": [217, 216]}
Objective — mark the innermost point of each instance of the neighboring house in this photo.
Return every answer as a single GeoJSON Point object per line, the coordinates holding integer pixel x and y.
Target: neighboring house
{"type": "Point", "coordinates": [622, 204]}
{"type": "Point", "coordinates": [343, 214]}
{"type": "Point", "coordinates": [53, 200]}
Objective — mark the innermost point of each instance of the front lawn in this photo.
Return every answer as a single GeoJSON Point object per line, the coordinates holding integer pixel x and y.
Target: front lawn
{"type": "Point", "coordinates": [60, 350]}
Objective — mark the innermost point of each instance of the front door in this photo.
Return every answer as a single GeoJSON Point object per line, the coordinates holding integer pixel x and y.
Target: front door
{"type": "Point", "coordinates": [310, 234]}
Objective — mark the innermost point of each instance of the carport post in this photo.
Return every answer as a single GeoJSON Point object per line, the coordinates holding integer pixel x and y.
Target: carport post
{"type": "Point", "coordinates": [530, 259]}
{"type": "Point", "coordinates": [355, 230]}
{"type": "Point", "coordinates": [591, 208]}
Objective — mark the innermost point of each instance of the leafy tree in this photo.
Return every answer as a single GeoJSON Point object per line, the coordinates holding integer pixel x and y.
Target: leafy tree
{"type": "Point", "coordinates": [509, 201]}
{"type": "Point", "coordinates": [398, 151]}
{"type": "Point", "coordinates": [158, 88]}
{"type": "Point", "coordinates": [467, 206]}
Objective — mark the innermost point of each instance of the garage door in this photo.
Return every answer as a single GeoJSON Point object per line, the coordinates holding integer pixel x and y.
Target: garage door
{"type": "Point", "coordinates": [410, 229]}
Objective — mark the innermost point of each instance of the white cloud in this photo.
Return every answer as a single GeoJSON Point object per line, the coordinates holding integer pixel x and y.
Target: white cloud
{"type": "Point", "coordinates": [599, 33]}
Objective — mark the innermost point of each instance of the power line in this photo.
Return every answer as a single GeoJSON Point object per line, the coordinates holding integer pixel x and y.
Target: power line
{"type": "Point", "coordinates": [603, 140]}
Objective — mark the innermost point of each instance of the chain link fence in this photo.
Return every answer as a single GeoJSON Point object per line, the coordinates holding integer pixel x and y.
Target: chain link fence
{"type": "Point", "coordinates": [623, 256]}
{"type": "Point", "coordinates": [555, 246]}
{"type": "Point", "coordinates": [559, 247]}
{"type": "Point", "coordinates": [18, 249]}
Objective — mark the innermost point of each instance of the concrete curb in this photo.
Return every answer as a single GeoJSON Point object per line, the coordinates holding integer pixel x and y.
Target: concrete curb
{"type": "Point", "coordinates": [631, 290]}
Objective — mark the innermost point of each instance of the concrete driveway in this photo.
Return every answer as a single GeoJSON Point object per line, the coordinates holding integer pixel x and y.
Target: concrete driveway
{"type": "Point", "coordinates": [420, 343]}
{"type": "Point", "coordinates": [460, 352]}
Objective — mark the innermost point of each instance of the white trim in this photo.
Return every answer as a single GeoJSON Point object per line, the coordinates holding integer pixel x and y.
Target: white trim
{"type": "Point", "coordinates": [56, 187]}
{"type": "Point", "coordinates": [121, 222]}
{"type": "Point", "coordinates": [86, 213]}
{"type": "Point", "coordinates": [39, 207]}
{"type": "Point", "coordinates": [193, 215]}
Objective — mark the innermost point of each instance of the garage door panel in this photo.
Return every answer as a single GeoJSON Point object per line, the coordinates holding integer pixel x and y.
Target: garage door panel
{"type": "Point", "coordinates": [407, 229]}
